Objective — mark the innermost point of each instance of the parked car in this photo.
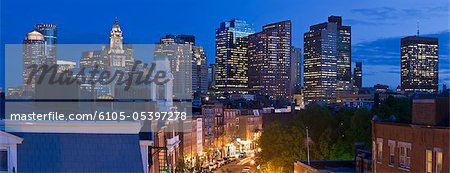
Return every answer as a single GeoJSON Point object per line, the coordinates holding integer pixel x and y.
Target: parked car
{"type": "Point", "coordinates": [221, 162]}
{"type": "Point", "coordinates": [212, 167]}
{"type": "Point", "coordinates": [226, 160]}
{"type": "Point", "coordinates": [205, 167]}
{"type": "Point", "coordinates": [246, 169]}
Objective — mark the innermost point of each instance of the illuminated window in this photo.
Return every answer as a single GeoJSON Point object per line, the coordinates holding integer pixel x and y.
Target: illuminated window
{"type": "Point", "coordinates": [379, 150]}
{"type": "Point", "coordinates": [438, 160]}
{"type": "Point", "coordinates": [429, 161]}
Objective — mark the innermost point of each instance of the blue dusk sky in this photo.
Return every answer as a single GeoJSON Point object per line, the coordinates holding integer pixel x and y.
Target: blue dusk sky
{"type": "Point", "coordinates": [377, 26]}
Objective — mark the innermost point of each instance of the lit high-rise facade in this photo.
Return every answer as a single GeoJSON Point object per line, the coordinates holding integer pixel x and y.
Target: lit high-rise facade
{"type": "Point", "coordinates": [50, 40]}
{"type": "Point", "coordinates": [320, 62]}
{"type": "Point", "coordinates": [327, 61]}
{"type": "Point", "coordinates": [269, 54]}
{"type": "Point", "coordinates": [187, 61]}
{"type": "Point", "coordinates": [344, 56]}
{"type": "Point", "coordinates": [419, 64]}
{"type": "Point", "coordinates": [179, 53]}
{"type": "Point", "coordinates": [231, 56]}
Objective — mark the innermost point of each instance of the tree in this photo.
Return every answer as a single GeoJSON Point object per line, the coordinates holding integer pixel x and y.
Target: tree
{"type": "Point", "coordinates": [326, 143]}
{"type": "Point", "coordinates": [360, 128]}
{"type": "Point", "coordinates": [281, 145]}
{"type": "Point", "coordinates": [181, 165]}
{"type": "Point", "coordinates": [399, 107]}
{"type": "Point", "coordinates": [332, 136]}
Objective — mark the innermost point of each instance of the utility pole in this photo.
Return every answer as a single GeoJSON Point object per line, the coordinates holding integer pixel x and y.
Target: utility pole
{"type": "Point", "coordinates": [307, 144]}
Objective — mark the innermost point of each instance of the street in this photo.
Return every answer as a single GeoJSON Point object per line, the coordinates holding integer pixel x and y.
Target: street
{"type": "Point", "coordinates": [236, 166]}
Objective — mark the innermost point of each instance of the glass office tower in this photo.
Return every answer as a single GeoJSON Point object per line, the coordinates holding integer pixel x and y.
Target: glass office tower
{"type": "Point", "coordinates": [327, 61]}
{"type": "Point", "coordinates": [320, 63]}
{"type": "Point", "coordinates": [50, 40]}
{"type": "Point", "coordinates": [231, 56]}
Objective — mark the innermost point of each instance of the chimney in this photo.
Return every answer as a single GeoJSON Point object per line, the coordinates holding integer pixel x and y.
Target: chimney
{"type": "Point", "coordinates": [430, 111]}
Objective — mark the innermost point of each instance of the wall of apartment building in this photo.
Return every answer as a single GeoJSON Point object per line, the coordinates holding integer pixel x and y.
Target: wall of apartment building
{"type": "Point", "coordinates": [420, 138]}
{"type": "Point", "coordinates": [230, 124]}
{"type": "Point", "coordinates": [249, 125]}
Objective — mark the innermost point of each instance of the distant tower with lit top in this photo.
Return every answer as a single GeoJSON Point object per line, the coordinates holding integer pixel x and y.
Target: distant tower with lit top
{"type": "Point", "coordinates": [33, 54]}
{"type": "Point", "coordinates": [119, 55]}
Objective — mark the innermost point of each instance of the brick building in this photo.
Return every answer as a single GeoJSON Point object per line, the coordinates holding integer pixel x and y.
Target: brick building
{"type": "Point", "coordinates": [420, 146]}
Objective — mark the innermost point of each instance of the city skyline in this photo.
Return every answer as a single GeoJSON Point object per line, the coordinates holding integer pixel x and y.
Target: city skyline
{"type": "Point", "coordinates": [379, 52]}
{"type": "Point", "coordinates": [225, 86]}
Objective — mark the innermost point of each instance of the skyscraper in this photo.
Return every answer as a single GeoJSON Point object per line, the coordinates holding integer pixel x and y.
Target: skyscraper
{"type": "Point", "coordinates": [296, 71]}
{"type": "Point", "coordinates": [50, 40]}
{"type": "Point", "coordinates": [344, 49]}
{"type": "Point", "coordinates": [357, 75]}
{"type": "Point", "coordinates": [419, 64]}
{"type": "Point", "coordinates": [199, 71]}
{"type": "Point", "coordinates": [269, 54]}
{"type": "Point", "coordinates": [33, 54]}
{"type": "Point", "coordinates": [320, 62]}
{"type": "Point", "coordinates": [344, 57]}
{"type": "Point", "coordinates": [180, 55]}
{"type": "Point", "coordinates": [231, 56]}
{"type": "Point", "coordinates": [212, 76]}
{"type": "Point", "coordinates": [187, 61]}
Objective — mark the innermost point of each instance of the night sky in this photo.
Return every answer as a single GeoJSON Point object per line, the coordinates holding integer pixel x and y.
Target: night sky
{"type": "Point", "coordinates": [377, 26]}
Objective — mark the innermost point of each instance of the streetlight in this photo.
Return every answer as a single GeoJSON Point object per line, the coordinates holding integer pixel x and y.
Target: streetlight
{"type": "Point", "coordinates": [307, 143]}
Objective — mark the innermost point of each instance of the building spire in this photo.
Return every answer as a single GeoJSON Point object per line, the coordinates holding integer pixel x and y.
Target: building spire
{"type": "Point", "coordinates": [116, 21]}
{"type": "Point", "coordinates": [418, 27]}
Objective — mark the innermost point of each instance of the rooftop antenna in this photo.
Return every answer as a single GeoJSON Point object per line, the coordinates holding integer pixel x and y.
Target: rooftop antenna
{"type": "Point", "coordinates": [418, 27]}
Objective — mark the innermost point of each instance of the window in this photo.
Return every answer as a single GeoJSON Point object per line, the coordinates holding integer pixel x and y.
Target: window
{"type": "Point", "coordinates": [379, 150]}
{"type": "Point", "coordinates": [408, 157]}
{"type": "Point", "coordinates": [404, 150]}
{"type": "Point", "coordinates": [429, 161]}
{"type": "Point", "coordinates": [438, 160]}
{"type": "Point", "coordinates": [391, 145]}
{"type": "Point", "coordinates": [3, 161]}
